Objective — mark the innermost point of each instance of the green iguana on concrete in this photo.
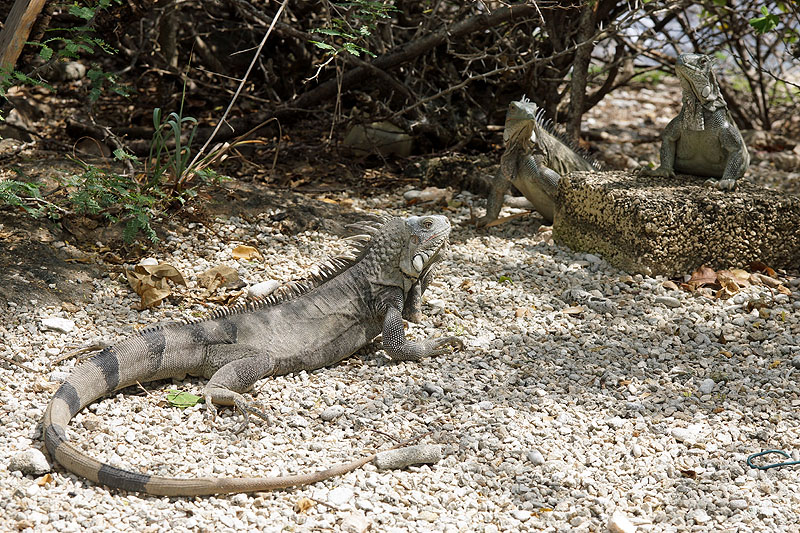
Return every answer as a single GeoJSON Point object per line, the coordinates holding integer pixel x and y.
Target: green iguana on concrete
{"type": "Point", "coordinates": [534, 160]}
{"type": "Point", "coordinates": [308, 325]}
{"type": "Point", "coordinates": [702, 140]}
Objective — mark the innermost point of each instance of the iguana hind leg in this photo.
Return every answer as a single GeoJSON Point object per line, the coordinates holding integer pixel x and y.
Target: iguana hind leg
{"type": "Point", "coordinates": [233, 369]}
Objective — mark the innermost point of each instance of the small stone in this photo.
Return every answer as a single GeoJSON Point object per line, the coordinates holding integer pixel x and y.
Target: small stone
{"type": "Point", "coordinates": [332, 413]}
{"type": "Point", "coordinates": [62, 325]}
{"type": "Point", "coordinates": [636, 450]}
{"type": "Point", "coordinates": [669, 301]}
{"type": "Point", "coordinates": [688, 435]}
{"type": "Point", "coordinates": [521, 515]}
{"type": "Point", "coordinates": [432, 388]}
{"type": "Point", "coordinates": [30, 462]}
{"type": "Point", "coordinates": [356, 522]}
{"type": "Point", "coordinates": [428, 516]}
{"type": "Point", "coordinates": [699, 516]}
{"type": "Point", "coordinates": [262, 289]}
{"type": "Point", "coordinates": [535, 457]}
{"type": "Point", "coordinates": [340, 496]}
{"type": "Point", "coordinates": [407, 456]}
{"type": "Point", "coordinates": [706, 386]}
{"type": "Point", "coordinates": [592, 258]}
{"type": "Point", "coordinates": [149, 261]}
{"type": "Point", "coordinates": [619, 523]}
{"type": "Point", "coordinates": [738, 504]}
{"type": "Point", "coordinates": [796, 361]}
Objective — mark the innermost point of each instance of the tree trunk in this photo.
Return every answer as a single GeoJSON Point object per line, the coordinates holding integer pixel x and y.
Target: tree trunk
{"type": "Point", "coordinates": [18, 26]}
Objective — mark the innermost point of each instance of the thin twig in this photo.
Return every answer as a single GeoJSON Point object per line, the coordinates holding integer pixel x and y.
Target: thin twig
{"type": "Point", "coordinates": [241, 85]}
{"type": "Point", "coordinates": [12, 362]}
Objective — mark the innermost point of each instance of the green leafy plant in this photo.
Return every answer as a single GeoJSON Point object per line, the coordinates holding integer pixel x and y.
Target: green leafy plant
{"type": "Point", "coordinates": [765, 23]}
{"type": "Point", "coordinates": [349, 31]}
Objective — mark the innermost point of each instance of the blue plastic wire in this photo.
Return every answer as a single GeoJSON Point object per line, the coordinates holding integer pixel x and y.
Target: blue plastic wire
{"type": "Point", "coordinates": [773, 465]}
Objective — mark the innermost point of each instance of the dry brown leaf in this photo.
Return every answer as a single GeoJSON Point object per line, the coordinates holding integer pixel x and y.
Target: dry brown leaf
{"type": "Point", "coordinates": [302, 505]}
{"type": "Point", "coordinates": [670, 285]}
{"type": "Point", "coordinates": [784, 290]}
{"type": "Point", "coordinates": [150, 282]}
{"type": "Point", "coordinates": [218, 276]}
{"type": "Point", "coordinates": [520, 312]}
{"type": "Point", "coordinates": [742, 276]}
{"type": "Point", "coordinates": [700, 277]}
{"type": "Point", "coordinates": [758, 266]}
{"type": "Point", "coordinates": [764, 279]}
{"type": "Point", "coordinates": [44, 480]}
{"type": "Point", "coordinates": [246, 252]}
{"type": "Point", "coordinates": [729, 285]}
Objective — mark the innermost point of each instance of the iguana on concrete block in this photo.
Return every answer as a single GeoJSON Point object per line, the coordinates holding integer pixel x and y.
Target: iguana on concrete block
{"type": "Point", "coordinates": [345, 305]}
{"type": "Point", "coordinates": [702, 140]}
{"type": "Point", "coordinates": [534, 160]}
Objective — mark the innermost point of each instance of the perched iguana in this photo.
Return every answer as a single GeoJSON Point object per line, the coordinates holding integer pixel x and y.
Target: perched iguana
{"type": "Point", "coordinates": [702, 140]}
{"type": "Point", "coordinates": [307, 326]}
{"type": "Point", "coordinates": [534, 160]}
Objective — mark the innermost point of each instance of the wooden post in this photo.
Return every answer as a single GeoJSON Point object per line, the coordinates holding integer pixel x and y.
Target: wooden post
{"type": "Point", "coordinates": [18, 26]}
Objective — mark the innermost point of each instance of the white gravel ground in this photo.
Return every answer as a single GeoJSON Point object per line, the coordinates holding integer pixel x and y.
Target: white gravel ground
{"type": "Point", "coordinates": [644, 406]}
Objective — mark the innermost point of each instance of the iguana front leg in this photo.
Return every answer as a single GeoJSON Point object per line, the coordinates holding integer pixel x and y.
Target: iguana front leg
{"type": "Point", "coordinates": [495, 202]}
{"type": "Point", "coordinates": [669, 139]}
{"type": "Point", "coordinates": [732, 144]}
{"type": "Point", "coordinates": [233, 369]}
{"type": "Point", "coordinates": [399, 348]}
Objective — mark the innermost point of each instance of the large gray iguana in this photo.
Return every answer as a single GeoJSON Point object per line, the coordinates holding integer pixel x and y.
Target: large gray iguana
{"type": "Point", "coordinates": [307, 326]}
{"type": "Point", "coordinates": [702, 140]}
{"type": "Point", "coordinates": [534, 160]}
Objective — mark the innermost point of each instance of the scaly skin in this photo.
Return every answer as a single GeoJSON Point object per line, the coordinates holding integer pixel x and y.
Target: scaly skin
{"type": "Point", "coordinates": [304, 328]}
{"type": "Point", "coordinates": [702, 140]}
{"type": "Point", "coordinates": [534, 161]}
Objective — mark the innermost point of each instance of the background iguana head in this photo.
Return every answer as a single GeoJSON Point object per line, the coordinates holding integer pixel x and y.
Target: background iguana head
{"type": "Point", "coordinates": [521, 122]}
{"type": "Point", "coordinates": [696, 74]}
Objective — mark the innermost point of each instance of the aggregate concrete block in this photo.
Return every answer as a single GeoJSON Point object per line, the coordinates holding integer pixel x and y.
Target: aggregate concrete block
{"type": "Point", "coordinates": [658, 226]}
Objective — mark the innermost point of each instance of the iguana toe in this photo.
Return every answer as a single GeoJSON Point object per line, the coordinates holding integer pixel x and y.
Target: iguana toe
{"type": "Point", "coordinates": [247, 408]}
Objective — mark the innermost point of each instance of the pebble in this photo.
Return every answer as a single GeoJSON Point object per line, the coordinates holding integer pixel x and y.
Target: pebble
{"type": "Point", "coordinates": [332, 413]}
{"type": "Point", "coordinates": [669, 301]}
{"type": "Point", "coordinates": [149, 261]}
{"type": "Point", "coordinates": [262, 289]}
{"type": "Point", "coordinates": [407, 456]}
{"type": "Point", "coordinates": [340, 496]}
{"type": "Point", "coordinates": [738, 504]}
{"type": "Point", "coordinates": [356, 522]}
{"type": "Point", "coordinates": [535, 457]}
{"type": "Point", "coordinates": [30, 462]}
{"type": "Point", "coordinates": [706, 386]}
{"type": "Point", "coordinates": [688, 435]}
{"type": "Point", "coordinates": [618, 522]}
{"type": "Point", "coordinates": [432, 388]}
{"type": "Point", "coordinates": [61, 325]}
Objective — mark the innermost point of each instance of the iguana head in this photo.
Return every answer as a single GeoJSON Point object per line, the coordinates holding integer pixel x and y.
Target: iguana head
{"type": "Point", "coordinates": [521, 122]}
{"type": "Point", "coordinates": [695, 74]}
{"type": "Point", "coordinates": [427, 241]}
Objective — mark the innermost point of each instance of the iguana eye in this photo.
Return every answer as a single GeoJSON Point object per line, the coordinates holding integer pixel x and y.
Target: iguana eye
{"type": "Point", "coordinates": [427, 223]}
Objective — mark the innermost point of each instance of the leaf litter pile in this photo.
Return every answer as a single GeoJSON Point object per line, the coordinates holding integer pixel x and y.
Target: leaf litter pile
{"type": "Point", "coordinates": [723, 284]}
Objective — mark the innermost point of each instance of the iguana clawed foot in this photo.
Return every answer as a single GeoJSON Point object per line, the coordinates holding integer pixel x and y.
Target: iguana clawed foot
{"type": "Point", "coordinates": [242, 405]}
{"type": "Point", "coordinates": [438, 345]}
{"type": "Point", "coordinates": [659, 172]}
{"type": "Point", "coordinates": [722, 185]}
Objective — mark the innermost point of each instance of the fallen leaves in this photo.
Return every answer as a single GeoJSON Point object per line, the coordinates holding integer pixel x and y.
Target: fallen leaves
{"type": "Point", "coordinates": [723, 284]}
{"type": "Point", "coordinates": [150, 282]}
